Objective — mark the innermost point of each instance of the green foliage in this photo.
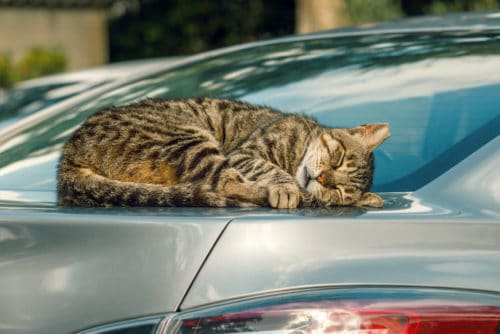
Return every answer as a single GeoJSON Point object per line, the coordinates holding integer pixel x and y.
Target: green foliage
{"type": "Point", "coordinates": [6, 71]}
{"type": "Point", "coordinates": [158, 28]}
{"type": "Point", "coordinates": [172, 27]}
{"type": "Point", "coordinates": [36, 62]}
{"type": "Point", "coordinates": [443, 6]}
{"type": "Point", "coordinates": [362, 11]}
{"type": "Point", "coordinates": [39, 62]}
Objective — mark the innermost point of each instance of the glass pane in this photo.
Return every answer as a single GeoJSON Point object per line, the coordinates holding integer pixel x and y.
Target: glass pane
{"type": "Point", "coordinates": [139, 326]}
{"type": "Point", "coordinates": [437, 92]}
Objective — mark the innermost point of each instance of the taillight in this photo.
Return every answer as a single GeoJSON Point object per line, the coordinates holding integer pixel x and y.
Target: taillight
{"type": "Point", "coordinates": [349, 311]}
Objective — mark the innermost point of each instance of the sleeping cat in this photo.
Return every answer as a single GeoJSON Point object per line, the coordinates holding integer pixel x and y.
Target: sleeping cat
{"type": "Point", "coordinates": [216, 152]}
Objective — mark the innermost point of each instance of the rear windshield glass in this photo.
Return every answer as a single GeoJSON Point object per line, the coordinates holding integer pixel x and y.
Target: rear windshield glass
{"type": "Point", "coordinates": [438, 92]}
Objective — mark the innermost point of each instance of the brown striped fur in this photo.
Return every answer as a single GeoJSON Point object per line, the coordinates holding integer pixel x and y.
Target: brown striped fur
{"type": "Point", "coordinates": [215, 152]}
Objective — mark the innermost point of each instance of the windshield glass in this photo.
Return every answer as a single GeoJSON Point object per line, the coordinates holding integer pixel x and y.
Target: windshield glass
{"type": "Point", "coordinates": [21, 102]}
{"type": "Point", "coordinates": [437, 92]}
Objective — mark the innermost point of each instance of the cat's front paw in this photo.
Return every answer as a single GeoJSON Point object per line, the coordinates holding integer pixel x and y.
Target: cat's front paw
{"type": "Point", "coordinates": [283, 196]}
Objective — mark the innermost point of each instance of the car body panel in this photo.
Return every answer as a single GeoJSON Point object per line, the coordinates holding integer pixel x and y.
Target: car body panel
{"type": "Point", "coordinates": [412, 241]}
{"type": "Point", "coordinates": [312, 251]}
{"type": "Point", "coordinates": [66, 269]}
{"type": "Point", "coordinates": [479, 174]}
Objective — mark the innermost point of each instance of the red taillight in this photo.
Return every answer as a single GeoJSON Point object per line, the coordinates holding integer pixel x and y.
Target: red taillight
{"type": "Point", "coordinates": [389, 313]}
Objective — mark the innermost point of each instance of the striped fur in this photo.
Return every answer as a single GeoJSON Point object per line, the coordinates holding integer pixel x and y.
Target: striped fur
{"type": "Point", "coordinates": [215, 152]}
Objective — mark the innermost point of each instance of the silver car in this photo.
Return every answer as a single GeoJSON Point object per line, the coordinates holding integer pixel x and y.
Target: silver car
{"type": "Point", "coordinates": [428, 262]}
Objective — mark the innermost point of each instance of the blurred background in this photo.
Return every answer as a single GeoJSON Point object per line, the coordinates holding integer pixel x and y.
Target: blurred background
{"type": "Point", "coordinates": [40, 37]}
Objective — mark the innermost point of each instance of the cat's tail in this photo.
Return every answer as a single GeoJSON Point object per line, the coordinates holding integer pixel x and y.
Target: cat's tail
{"type": "Point", "coordinates": [83, 187]}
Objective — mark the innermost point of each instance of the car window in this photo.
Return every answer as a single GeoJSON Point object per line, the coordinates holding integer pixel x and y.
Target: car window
{"type": "Point", "coordinates": [437, 92]}
{"type": "Point", "coordinates": [23, 101]}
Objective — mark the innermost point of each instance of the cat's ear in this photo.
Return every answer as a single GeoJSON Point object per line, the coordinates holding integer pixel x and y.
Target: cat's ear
{"type": "Point", "coordinates": [372, 135]}
{"type": "Point", "coordinates": [371, 199]}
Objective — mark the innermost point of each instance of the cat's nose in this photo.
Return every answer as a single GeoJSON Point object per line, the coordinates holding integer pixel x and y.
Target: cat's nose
{"type": "Point", "coordinates": [321, 178]}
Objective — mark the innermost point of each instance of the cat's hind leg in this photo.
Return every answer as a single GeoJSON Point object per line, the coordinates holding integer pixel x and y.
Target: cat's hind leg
{"type": "Point", "coordinates": [199, 159]}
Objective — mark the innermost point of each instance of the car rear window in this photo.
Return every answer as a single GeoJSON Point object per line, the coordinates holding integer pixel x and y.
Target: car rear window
{"type": "Point", "coordinates": [436, 90]}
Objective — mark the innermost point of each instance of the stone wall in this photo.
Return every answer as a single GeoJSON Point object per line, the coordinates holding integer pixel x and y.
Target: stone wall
{"type": "Point", "coordinates": [80, 32]}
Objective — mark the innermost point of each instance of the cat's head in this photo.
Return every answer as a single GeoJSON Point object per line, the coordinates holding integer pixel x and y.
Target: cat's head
{"type": "Point", "coordinates": [337, 168]}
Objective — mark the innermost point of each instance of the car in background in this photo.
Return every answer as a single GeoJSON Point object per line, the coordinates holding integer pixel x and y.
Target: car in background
{"type": "Point", "coordinates": [428, 262]}
{"type": "Point", "coordinates": [29, 96]}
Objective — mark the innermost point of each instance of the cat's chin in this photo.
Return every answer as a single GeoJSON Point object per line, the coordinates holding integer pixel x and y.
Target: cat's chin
{"type": "Point", "coordinates": [302, 176]}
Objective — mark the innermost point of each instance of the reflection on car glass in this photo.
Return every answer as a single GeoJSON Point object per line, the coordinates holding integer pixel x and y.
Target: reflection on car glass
{"type": "Point", "coordinates": [436, 91]}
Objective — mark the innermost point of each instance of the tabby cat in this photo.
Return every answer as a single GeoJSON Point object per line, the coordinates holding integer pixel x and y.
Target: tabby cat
{"type": "Point", "coordinates": [216, 152]}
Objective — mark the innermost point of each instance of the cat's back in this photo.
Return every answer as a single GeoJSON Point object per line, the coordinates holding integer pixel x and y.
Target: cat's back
{"type": "Point", "coordinates": [148, 114]}
{"type": "Point", "coordinates": [157, 114]}
{"type": "Point", "coordinates": [131, 129]}
{"type": "Point", "coordinates": [139, 121]}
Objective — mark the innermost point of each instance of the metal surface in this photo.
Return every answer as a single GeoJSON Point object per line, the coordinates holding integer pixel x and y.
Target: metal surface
{"type": "Point", "coordinates": [61, 271]}
{"type": "Point", "coordinates": [440, 236]}
{"type": "Point", "coordinates": [473, 186]}
{"type": "Point", "coordinates": [267, 253]}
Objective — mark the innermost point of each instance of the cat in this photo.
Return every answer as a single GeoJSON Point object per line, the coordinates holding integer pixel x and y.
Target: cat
{"type": "Point", "coordinates": [216, 152]}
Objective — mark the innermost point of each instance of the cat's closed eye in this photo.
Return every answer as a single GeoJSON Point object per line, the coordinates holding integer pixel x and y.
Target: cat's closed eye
{"type": "Point", "coordinates": [337, 161]}
{"type": "Point", "coordinates": [336, 154]}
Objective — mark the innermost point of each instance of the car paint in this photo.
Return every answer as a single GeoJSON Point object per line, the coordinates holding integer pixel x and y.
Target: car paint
{"type": "Point", "coordinates": [51, 258]}
{"type": "Point", "coordinates": [61, 269]}
{"type": "Point", "coordinates": [414, 241]}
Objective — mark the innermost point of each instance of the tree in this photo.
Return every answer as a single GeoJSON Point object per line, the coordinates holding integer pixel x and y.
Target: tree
{"type": "Point", "coordinates": [173, 27]}
{"type": "Point", "coordinates": [155, 28]}
{"type": "Point", "coordinates": [316, 15]}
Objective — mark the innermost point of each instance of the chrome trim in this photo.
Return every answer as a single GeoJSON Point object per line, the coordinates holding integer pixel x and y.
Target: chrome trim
{"type": "Point", "coordinates": [164, 325]}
